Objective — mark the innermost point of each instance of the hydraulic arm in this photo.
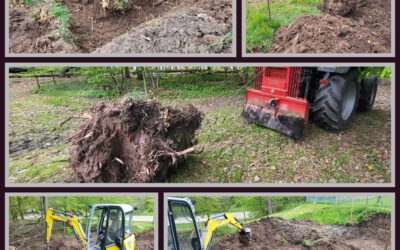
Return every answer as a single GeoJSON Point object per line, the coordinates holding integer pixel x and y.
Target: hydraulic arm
{"type": "Point", "coordinates": [214, 223]}
{"type": "Point", "coordinates": [54, 215]}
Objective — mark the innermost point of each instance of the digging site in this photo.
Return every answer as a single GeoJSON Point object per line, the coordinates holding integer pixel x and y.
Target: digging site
{"type": "Point", "coordinates": [280, 234]}
{"type": "Point", "coordinates": [133, 141]}
{"type": "Point", "coordinates": [28, 238]}
{"type": "Point", "coordinates": [348, 26]}
{"type": "Point", "coordinates": [115, 26]}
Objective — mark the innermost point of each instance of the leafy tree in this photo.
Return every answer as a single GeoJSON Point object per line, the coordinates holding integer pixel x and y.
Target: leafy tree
{"type": "Point", "coordinates": [109, 78]}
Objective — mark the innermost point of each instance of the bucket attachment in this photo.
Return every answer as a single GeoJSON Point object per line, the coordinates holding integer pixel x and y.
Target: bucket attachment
{"type": "Point", "coordinates": [284, 114]}
{"type": "Point", "coordinates": [244, 237]}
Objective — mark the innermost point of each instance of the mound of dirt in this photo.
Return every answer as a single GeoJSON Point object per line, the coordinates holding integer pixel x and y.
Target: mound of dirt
{"type": "Point", "coordinates": [202, 28]}
{"type": "Point", "coordinates": [276, 233]}
{"type": "Point", "coordinates": [365, 29]}
{"type": "Point", "coordinates": [133, 141]}
{"type": "Point", "coordinates": [339, 7]}
{"type": "Point", "coordinates": [145, 241]}
{"type": "Point", "coordinates": [28, 35]}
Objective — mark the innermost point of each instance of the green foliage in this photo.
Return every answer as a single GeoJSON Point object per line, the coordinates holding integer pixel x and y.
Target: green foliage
{"type": "Point", "coordinates": [62, 16]}
{"type": "Point", "coordinates": [260, 30]}
{"type": "Point", "coordinates": [207, 205]}
{"type": "Point", "coordinates": [337, 213]}
{"type": "Point", "coordinates": [120, 5]}
{"type": "Point", "coordinates": [43, 71]}
{"type": "Point", "coordinates": [23, 2]}
{"type": "Point", "coordinates": [380, 72]}
{"type": "Point", "coordinates": [108, 78]}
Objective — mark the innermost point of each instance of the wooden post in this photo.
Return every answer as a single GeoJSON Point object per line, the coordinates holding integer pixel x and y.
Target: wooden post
{"type": "Point", "coordinates": [37, 81]}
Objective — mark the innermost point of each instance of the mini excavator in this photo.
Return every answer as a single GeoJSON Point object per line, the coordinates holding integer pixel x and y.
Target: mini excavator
{"type": "Point", "coordinates": [184, 231]}
{"type": "Point", "coordinates": [109, 227]}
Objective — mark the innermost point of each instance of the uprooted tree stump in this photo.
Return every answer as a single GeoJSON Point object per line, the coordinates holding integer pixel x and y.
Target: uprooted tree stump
{"type": "Point", "coordinates": [133, 141]}
{"type": "Point", "coordinates": [339, 7]}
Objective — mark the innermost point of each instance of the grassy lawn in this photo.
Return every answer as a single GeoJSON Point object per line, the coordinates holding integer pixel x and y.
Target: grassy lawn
{"type": "Point", "coordinates": [260, 30]}
{"type": "Point", "coordinates": [332, 214]}
{"type": "Point", "coordinates": [233, 151]}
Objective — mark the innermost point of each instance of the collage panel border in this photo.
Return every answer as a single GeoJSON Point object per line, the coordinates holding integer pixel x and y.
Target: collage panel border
{"type": "Point", "coordinates": [392, 53]}
{"type": "Point", "coordinates": [215, 185]}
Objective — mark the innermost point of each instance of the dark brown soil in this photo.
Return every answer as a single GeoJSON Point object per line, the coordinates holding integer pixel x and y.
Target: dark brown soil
{"type": "Point", "coordinates": [189, 26]}
{"type": "Point", "coordinates": [28, 35]}
{"type": "Point", "coordinates": [363, 29]}
{"type": "Point", "coordinates": [94, 27]}
{"type": "Point", "coordinates": [276, 233]}
{"type": "Point", "coordinates": [133, 141]}
{"type": "Point", "coordinates": [201, 28]}
{"type": "Point", "coordinates": [145, 241]}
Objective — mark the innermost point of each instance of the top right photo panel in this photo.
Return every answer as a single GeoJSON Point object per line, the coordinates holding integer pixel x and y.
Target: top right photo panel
{"type": "Point", "coordinates": [323, 27]}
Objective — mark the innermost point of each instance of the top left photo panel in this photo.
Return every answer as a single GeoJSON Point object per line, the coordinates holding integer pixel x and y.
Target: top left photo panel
{"type": "Point", "coordinates": [120, 28]}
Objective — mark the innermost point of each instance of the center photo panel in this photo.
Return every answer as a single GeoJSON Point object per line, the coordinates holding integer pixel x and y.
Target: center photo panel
{"type": "Point", "coordinates": [323, 124]}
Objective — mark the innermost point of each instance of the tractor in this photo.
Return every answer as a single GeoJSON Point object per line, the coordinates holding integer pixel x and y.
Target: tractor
{"type": "Point", "coordinates": [185, 232]}
{"type": "Point", "coordinates": [286, 98]}
{"type": "Point", "coordinates": [109, 227]}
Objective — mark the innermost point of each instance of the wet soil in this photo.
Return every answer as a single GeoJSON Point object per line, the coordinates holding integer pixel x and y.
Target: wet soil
{"type": "Point", "coordinates": [156, 26]}
{"type": "Point", "coordinates": [145, 241]}
{"type": "Point", "coordinates": [94, 27]}
{"type": "Point", "coordinates": [280, 234]}
{"type": "Point", "coordinates": [201, 28]}
{"type": "Point", "coordinates": [29, 35]}
{"type": "Point", "coordinates": [133, 141]}
{"type": "Point", "coordinates": [347, 27]}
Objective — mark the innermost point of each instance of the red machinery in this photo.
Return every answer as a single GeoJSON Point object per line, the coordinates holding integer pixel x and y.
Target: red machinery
{"type": "Point", "coordinates": [273, 102]}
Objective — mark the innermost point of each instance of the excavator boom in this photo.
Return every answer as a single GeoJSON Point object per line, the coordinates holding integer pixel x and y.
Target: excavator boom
{"type": "Point", "coordinates": [213, 224]}
{"type": "Point", "coordinates": [53, 215]}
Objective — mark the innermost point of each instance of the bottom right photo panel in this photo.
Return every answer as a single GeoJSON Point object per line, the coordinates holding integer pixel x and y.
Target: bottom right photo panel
{"type": "Point", "coordinates": [317, 221]}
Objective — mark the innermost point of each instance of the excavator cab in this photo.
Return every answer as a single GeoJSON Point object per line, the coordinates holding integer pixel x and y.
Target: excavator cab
{"type": "Point", "coordinates": [109, 227]}
{"type": "Point", "coordinates": [185, 233]}
{"type": "Point", "coordinates": [183, 230]}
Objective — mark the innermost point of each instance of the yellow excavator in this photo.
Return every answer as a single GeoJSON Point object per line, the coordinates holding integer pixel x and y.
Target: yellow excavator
{"type": "Point", "coordinates": [185, 232]}
{"type": "Point", "coordinates": [109, 227]}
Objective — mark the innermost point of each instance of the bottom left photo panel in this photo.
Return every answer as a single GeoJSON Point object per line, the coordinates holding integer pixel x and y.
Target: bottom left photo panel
{"type": "Point", "coordinates": [81, 221]}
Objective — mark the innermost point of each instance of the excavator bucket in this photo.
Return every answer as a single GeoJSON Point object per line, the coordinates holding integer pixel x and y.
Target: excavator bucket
{"type": "Point", "coordinates": [244, 237]}
{"type": "Point", "coordinates": [274, 104]}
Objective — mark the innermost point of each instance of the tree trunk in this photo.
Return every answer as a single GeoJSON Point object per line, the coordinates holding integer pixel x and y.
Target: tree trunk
{"type": "Point", "coordinates": [20, 203]}
{"type": "Point", "coordinates": [54, 80]}
{"type": "Point", "coordinates": [37, 81]}
{"type": "Point", "coordinates": [127, 74]}
{"type": "Point", "coordinates": [139, 71]}
{"type": "Point", "coordinates": [269, 202]}
{"type": "Point", "coordinates": [269, 11]}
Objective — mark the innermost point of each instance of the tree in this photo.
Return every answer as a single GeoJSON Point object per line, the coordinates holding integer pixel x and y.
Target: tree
{"type": "Point", "coordinates": [109, 78]}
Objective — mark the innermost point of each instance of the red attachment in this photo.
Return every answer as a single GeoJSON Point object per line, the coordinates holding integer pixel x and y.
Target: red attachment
{"type": "Point", "coordinates": [323, 82]}
{"type": "Point", "coordinates": [279, 91]}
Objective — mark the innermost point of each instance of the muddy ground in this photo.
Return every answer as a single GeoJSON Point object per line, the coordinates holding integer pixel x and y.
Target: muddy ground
{"type": "Point", "coordinates": [32, 237]}
{"type": "Point", "coordinates": [133, 141]}
{"type": "Point", "coordinates": [346, 27]}
{"type": "Point", "coordinates": [169, 26]}
{"type": "Point", "coordinates": [280, 234]}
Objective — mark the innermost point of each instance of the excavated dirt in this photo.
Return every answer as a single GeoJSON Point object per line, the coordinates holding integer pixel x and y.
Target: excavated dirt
{"type": "Point", "coordinates": [145, 241]}
{"type": "Point", "coordinates": [280, 234]}
{"type": "Point", "coordinates": [155, 26]}
{"type": "Point", "coordinates": [28, 35]}
{"type": "Point", "coordinates": [202, 28]}
{"type": "Point", "coordinates": [133, 141]}
{"type": "Point", "coordinates": [365, 28]}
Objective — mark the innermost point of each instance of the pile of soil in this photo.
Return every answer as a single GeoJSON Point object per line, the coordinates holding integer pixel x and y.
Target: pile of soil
{"type": "Point", "coordinates": [348, 27]}
{"type": "Point", "coordinates": [29, 35]}
{"type": "Point", "coordinates": [201, 28]}
{"type": "Point", "coordinates": [133, 141]}
{"type": "Point", "coordinates": [94, 26]}
{"type": "Point", "coordinates": [145, 241]}
{"type": "Point", "coordinates": [277, 233]}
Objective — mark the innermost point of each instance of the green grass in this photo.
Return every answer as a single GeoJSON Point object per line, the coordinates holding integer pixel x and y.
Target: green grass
{"type": "Point", "coordinates": [260, 30]}
{"type": "Point", "coordinates": [142, 226]}
{"type": "Point", "coordinates": [62, 15]}
{"type": "Point", "coordinates": [331, 214]}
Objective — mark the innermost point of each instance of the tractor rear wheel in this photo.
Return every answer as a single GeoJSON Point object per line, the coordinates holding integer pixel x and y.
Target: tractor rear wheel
{"type": "Point", "coordinates": [368, 94]}
{"type": "Point", "coordinates": [336, 102]}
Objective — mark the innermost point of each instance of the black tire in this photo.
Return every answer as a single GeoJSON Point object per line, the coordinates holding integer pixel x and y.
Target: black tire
{"type": "Point", "coordinates": [368, 94]}
{"type": "Point", "coordinates": [336, 102]}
